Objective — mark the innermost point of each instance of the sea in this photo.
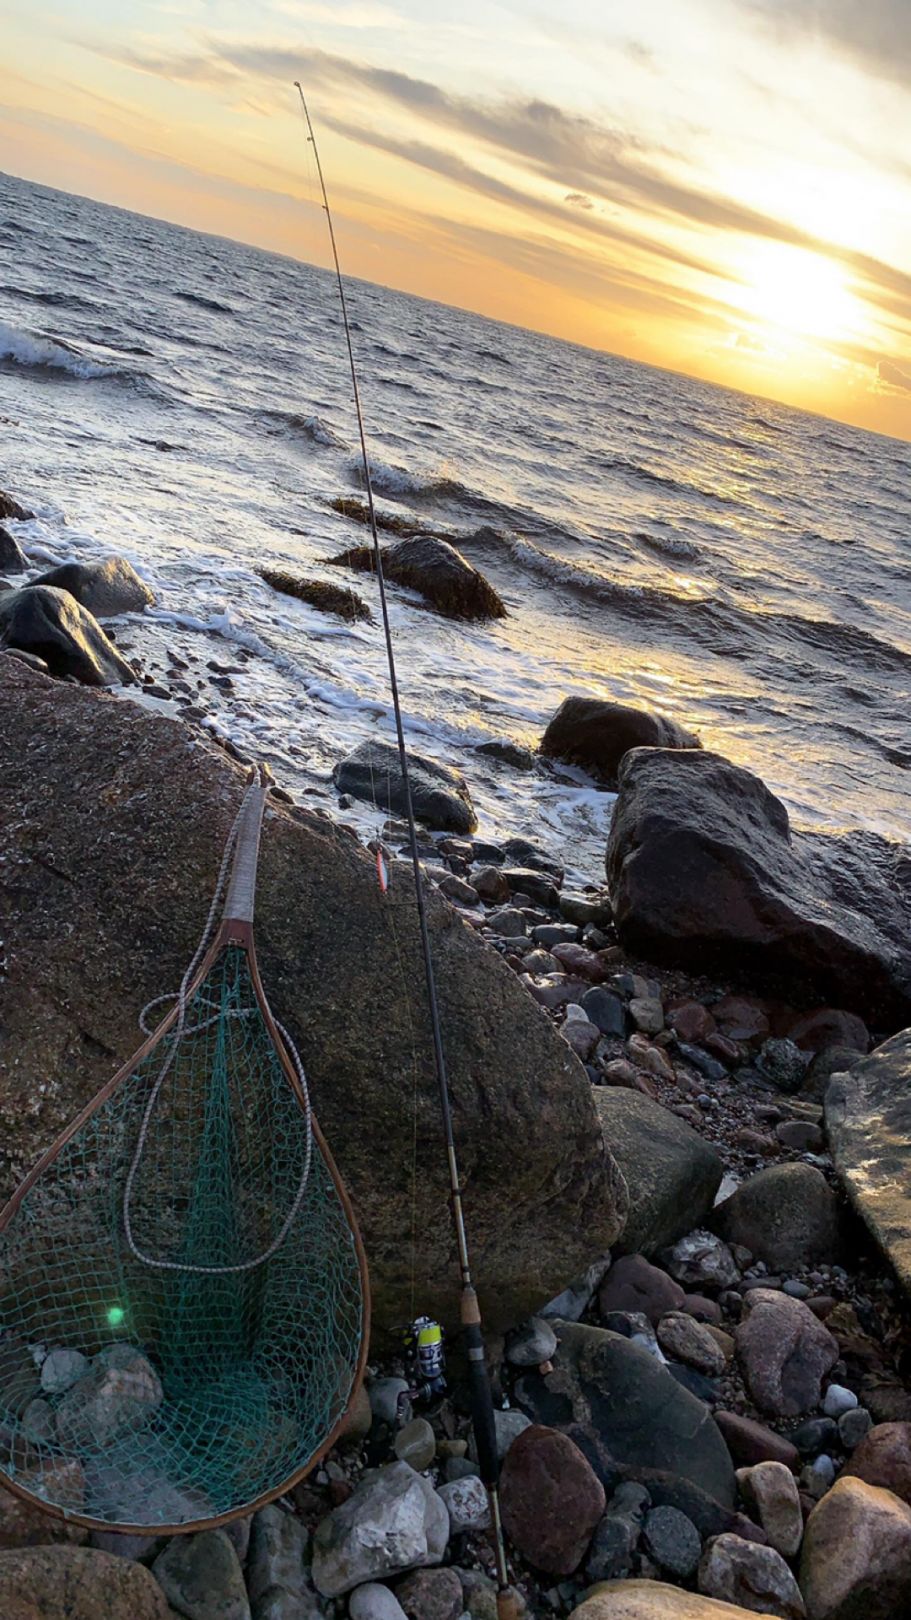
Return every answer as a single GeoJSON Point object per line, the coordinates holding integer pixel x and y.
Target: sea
{"type": "Point", "coordinates": [184, 401]}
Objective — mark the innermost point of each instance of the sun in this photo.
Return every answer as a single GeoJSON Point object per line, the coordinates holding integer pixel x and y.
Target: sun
{"type": "Point", "coordinates": [797, 293]}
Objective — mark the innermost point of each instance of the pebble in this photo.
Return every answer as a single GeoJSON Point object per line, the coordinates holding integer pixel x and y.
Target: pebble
{"type": "Point", "coordinates": [818, 1476]}
{"type": "Point", "coordinates": [467, 1504]}
{"type": "Point", "coordinates": [815, 1435]}
{"type": "Point", "coordinates": [686, 1339]}
{"type": "Point", "coordinates": [606, 1010]}
{"type": "Point", "coordinates": [702, 1260]}
{"type": "Point", "coordinates": [673, 1541]}
{"type": "Point", "coordinates": [375, 1602]}
{"type": "Point", "coordinates": [416, 1444]}
{"type": "Point", "coordinates": [795, 1289]}
{"type": "Point", "coordinates": [61, 1369]}
{"type": "Point", "coordinates": [384, 1396]}
{"type": "Point", "coordinates": [647, 1014]}
{"type": "Point", "coordinates": [838, 1400]}
{"type": "Point", "coordinates": [533, 1343]}
{"type": "Point", "coordinates": [854, 1426]}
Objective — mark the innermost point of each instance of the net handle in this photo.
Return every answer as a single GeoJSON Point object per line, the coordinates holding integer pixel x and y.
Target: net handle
{"type": "Point", "coordinates": [241, 900]}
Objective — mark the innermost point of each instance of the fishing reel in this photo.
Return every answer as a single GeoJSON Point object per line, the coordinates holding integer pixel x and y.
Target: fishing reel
{"type": "Point", "coordinates": [425, 1361]}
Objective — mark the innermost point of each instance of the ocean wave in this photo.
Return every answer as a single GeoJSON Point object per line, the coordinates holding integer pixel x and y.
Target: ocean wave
{"type": "Point", "coordinates": [670, 545]}
{"type": "Point", "coordinates": [647, 475]}
{"type": "Point", "coordinates": [35, 353]}
{"type": "Point", "coordinates": [55, 299]}
{"type": "Point", "coordinates": [215, 305]}
{"type": "Point", "coordinates": [312, 428]}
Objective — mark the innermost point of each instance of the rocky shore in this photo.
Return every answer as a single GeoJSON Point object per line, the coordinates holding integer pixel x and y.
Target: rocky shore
{"type": "Point", "coordinates": [685, 1168]}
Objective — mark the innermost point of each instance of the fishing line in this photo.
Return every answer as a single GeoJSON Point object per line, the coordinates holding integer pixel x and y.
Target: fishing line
{"type": "Point", "coordinates": [481, 1399]}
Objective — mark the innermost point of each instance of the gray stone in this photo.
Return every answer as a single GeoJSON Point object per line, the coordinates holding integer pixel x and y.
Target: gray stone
{"type": "Point", "coordinates": [276, 1570]}
{"type": "Point", "coordinates": [460, 1468]}
{"type": "Point", "coordinates": [770, 1492]}
{"type": "Point", "coordinates": [12, 558]}
{"type": "Point", "coordinates": [583, 909]}
{"type": "Point", "coordinates": [814, 1436]}
{"type": "Point", "coordinates": [597, 734]}
{"type": "Point", "coordinates": [605, 1010]}
{"type": "Point", "coordinates": [838, 1400]}
{"type": "Point", "coordinates": [110, 1401]}
{"type": "Point", "coordinates": [201, 1577]}
{"type": "Point", "coordinates": [757, 1578]}
{"type": "Point", "coordinates": [467, 1503]}
{"type": "Point", "coordinates": [853, 1427]}
{"type": "Point", "coordinates": [868, 1121]}
{"type": "Point", "coordinates": [783, 1063]}
{"type": "Point", "coordinates": [628, 1416]}
{"type": "Point", "coordinates": [533, 1343]}
{"type": "Point", "coordinates": [393, 1522]}
{"type": "Point", "coordinates": [375, 1602]}
{"type": "Point", "coordinates": [386, 1403]}
{"type": "Point", "coordinates": [439, 794]}
{"type": "Point", "coordinates": [508, 1425]}
{"type": "Point", "coordinates": [573, 1301]}
{"type": "Point", "coordinates": [426, 563]}
{"type": "Point", "coordinates": [706, 873]}
{"type": "Point", "coordinates": [613, 1548]}
{"type": "Point", "coordinates": [673, 1541]}
{"type": "Point", "coordinates": [509, 922]}
{"type": "Point", "coordinates": [787, 1215]}
{"type": "Point", "coordinates": [701, 1260]}
{"type": "Point", "coordinates": [416, 1444]}
{"type": "Point", "coordinates": [61, 1369]}
{"type": "Point", "coordinates": [104, 589]}
{"type": "Point", "coordinates": [527, 1122]}
{"type": "Point", "coordinates": [671, 1172]}
{"type": "Point", "coordinates": [647, 1014]}
{"type": "Point", "coordinates": [785, 1353]}
{"type": "Point", "coordinates": [685, 1339]}
{"type": "Point", "coordinates": [818, 1476]}
{"type": "Point", "coordinates": [50, 623]}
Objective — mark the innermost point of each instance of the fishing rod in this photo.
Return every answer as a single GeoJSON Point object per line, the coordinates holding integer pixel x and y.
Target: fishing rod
{"type": "Point", "coordinates": [481, 1399]}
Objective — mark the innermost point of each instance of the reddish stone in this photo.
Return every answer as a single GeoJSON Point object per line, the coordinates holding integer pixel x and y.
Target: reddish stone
{"type": "Point", "coordinates": [431, 1594]}
{"type": "Point", "coordinates": [551, 1500]}
{"type": "Point", "coordinates": [884, 1458]}
{"type": "Point", "coordinates": [558, 991]}
{"type": "Point", "coordinates": [784, 1352]}
{"type": "Point", "coordinates": [721, 1046]}
{"type": "Point", "coordinates": [650, 1057]}
{"type": "Point", "coordinates": [754, 1142]}
{"type": "Point", "coordinates": [634, 1284]}
{"type": "Point", "coordinates": [582, 1036]}
{"type": "Point", "coordinates": [750, 1442]}
{"type": "Point", "coordinates": [691, 1021]}
{"type": "Point", "coordinates": [742, 1018]}
{"type": "Point", "coordinates": [822, 1305]}
{"type": "Point", "coordinates": [829, 1026]}
{"type": "Point", "coordinates": [620, 1073]}
{"type": "Point", "coordinates": [581, 961]}
{"type": "Point", "coordinates": [704, 1310]}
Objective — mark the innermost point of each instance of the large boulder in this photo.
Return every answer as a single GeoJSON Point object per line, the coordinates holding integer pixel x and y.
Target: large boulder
{"type": "Point", "coordinates": [12, 558]}
{"type": "Point", "coordinates": [868, 1119]}
{"type": "Point", "coordinates": [671, 1172]}
{"type": "Point", "coordinates": [105, 588]}
{"type": "Point", "coordinates": [439, 795]}
{"type": "Point", "coordinates": [653, 1600]}
{"type": "Point", "coordinates": [10, 508]}
{"type": "Point", "coordinates": [50, 622]}
{"type": "Point", "coordinates": [786, 1215]}
{"type": "Point", "coordinates": [393, 1522]}
{"type": "Point", "coordinates": [551, 1500]}
{"type": "Point", "coordinates": [201, 1577]}
{"type": "Point", "coordinates": [116, 819]}
{"type": "Point", "coordinates": [856, 1558]}
{"type": "Point", "coordinates": [597, 734]}
{"type": "Point", "coordinates": [77, 1583]}
{"type": "Point", "coordinates": [446, 579]}
{"type": "Point", "coordinates": [633, 1420]}
{"type": "Point", "coordinates": [705, 873]}
{"type": "Point", "coordinates": [337, 599]}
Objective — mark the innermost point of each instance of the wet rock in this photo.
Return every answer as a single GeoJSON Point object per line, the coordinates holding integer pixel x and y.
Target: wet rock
{"type": "Point", "coordinates": [856, 1559]}
{"type": "Point", "coordinates": [770, 1492]}
{"type": "Point", "coordinates": [883, 1458]}
{"type": "Point", "coordinates": [597, 734]}
{"type": "Point", "coordinates": [490, 884]}
{"type": "Point", "coordinates": [12, 509]}
{"type": "Point", "coordinates": [201, 1576]}
{"type": "Point", "coordinates": [440, 795]}
{"type": "Point", "coordinates": [634, 1285]}
{"type": "Point", "coordinates": [375, 1602]}
{"type": "Point", "coordinates": [706, 874]}
{"type": "Point", "coordinates": [786, 1215]}
{"type": "Point", "coordinates": [509, 753]}
{"type": "Point", "coordinates": [701, 1260]}
{"type": "Point", "coordinates": [467, 1504]}
{"type": "Point", "coordinates": [785, 1353]}
{"type": "Point", "coordinates": [671, 1172]}
{"type": "Point", "coordinates": [551, 1500]}
{"type": "Point", "coordinates": [51, 624]}
{"type": "Point", "coordinates": [431, 1594]}
{"type": "Point", "coordinates": [446, 579]}
{"type": "Point", "coordinates": [685, 1339]}
{"type": "Point", "coordinates": [868, 1122]}
{"type": "Point", "coordinates": [533, 1343]}
{"type": "Point", "coordinates": [335, 599]}
{"type": "Point", "coordinates": [77, 1583]}
{"type": "Point", "coordinates": [394, 1521]}
{"type": "Point", "coordinates": [672, 1541]}
{"type": "Point", "coordinates": [757, 1578]}
{"type": "Point", "coordinates": [12, 558]}
{"type": "Point", "coordinates": [104, 589]}
{"type": "Point", "coordinates": [586, 908]}
{"type": "Point", "coordinates": [630, 1417]}
{"type": "Point", "coordinates": [416, 1444]}
{"type": "Point", "coordinates": [119, 1394]}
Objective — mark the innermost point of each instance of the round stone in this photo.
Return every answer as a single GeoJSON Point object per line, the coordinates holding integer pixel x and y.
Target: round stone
{"type": "Point", "coordinates": [839, 1400]}
{"type": "Point", "coordinates": [467, 1504]}
{"type": "Point", "coordinates": [385, 1401]}
{"type": "Point", "coordinates": [673, 1541]}
{"type": "Point", "coordinates": [854, 1426]}
{"type": "Point", "coordinates": [416, 1444]}
{"type": "Point", "coordinates": [533, 1343]}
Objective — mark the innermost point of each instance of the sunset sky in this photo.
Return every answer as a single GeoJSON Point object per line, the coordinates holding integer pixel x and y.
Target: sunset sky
{"type": "Point", "coordinates": [721, 187]}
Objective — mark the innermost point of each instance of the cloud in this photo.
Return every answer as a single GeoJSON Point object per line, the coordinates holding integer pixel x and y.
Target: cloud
{"type": "Point", "coordinates": [578, 199]}
{"type": "Point", "coordinates": [875, 33]}
{"type": "Point", "coordinates": [893, 376]}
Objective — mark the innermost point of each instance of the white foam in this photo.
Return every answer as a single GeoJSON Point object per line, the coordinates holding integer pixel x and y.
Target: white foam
{"type": "Point", "coordinates": [25, 349]}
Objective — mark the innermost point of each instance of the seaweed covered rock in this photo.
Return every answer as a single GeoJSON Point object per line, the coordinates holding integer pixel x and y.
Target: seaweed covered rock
{"type": "Point", "coordinates": [446, 579]}
{"type": "Point", "coordinates": [117, 820]}
{"type": "Point", "coordinates": [439, 795]}
{"type": "Point", "coordinates": [337, 599]}
{"type": "Point", "coordinates": [51, 624]}
{"type": "Point", "coordinates": [596, 734]}
{"type": "Point", "coordinates": [104, 589]}
{"type": "Point", "coordinates": [705, 873]}
{"type": "Point", "coordinates": [868, 1119]}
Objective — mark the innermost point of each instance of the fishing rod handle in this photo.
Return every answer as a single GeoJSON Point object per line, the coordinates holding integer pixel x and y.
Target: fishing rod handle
{"type": "Point", "coordinates": [241, 899]}
{"type": "Point", "coordinates": [482, 1417]}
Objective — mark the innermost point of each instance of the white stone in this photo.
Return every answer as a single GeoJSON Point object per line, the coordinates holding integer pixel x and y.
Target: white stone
{"type": "Point", "coordinates": [467, 1504]}
{"type": "Point", "coordinates": [375, 1602]}
{"type": "Point", "coordinates": [61, 1369]}
{"type": "Point", "coordinates": [576, 1014]}
{"type": "Point", "coordinates": [838, 1400]}
{"type": "Point", "coordinates": [394, 1521]}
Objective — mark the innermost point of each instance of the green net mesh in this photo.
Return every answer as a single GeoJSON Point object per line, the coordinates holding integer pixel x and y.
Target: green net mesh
{"type": "Point", "coordinates": [189, 1394]}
